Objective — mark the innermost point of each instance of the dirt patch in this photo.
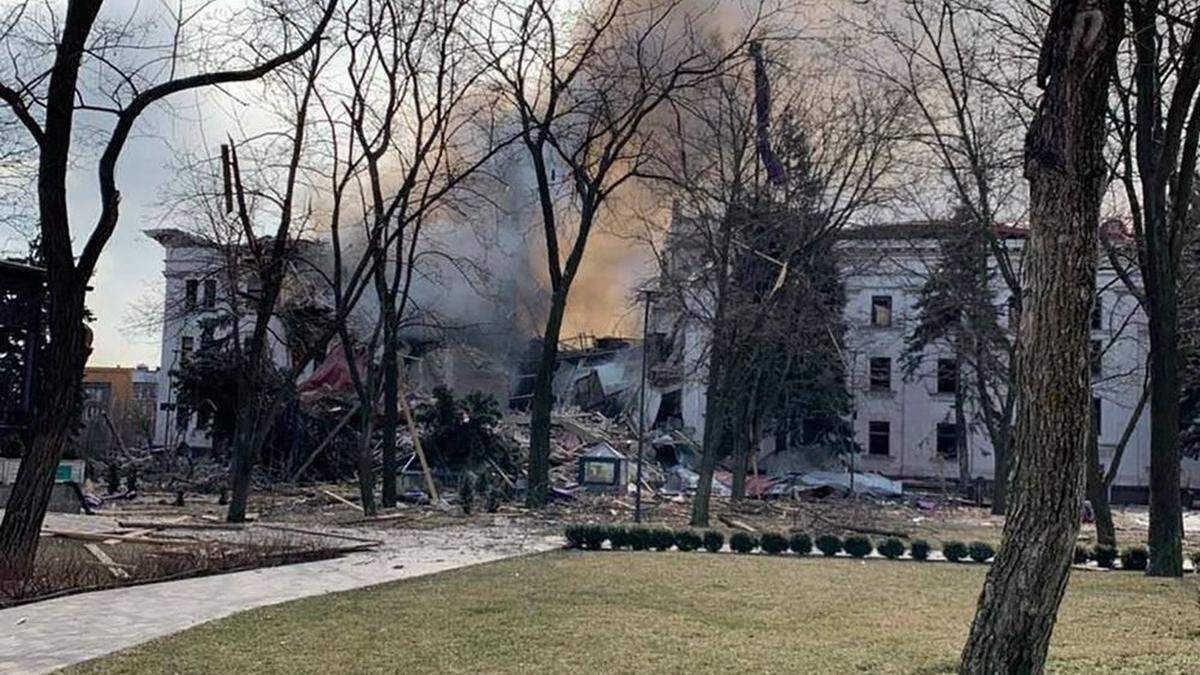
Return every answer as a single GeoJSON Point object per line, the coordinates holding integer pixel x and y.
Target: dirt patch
{"type": "Point", "coordinates": [79, 554]}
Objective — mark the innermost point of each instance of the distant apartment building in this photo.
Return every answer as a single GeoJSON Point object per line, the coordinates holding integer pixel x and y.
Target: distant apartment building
{"type": "Point", "coordinates": [117, 399]}
{"type": "Point", "coordinates": [905, 423]}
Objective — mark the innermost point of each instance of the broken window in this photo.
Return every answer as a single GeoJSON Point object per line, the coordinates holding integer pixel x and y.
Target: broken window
{"type": "Point", "coordinates": [191, 293]}
{"type": "Point", "coordinates": [947, 376]}
{"type": "Point", "coordinates": [947, 440]}
{"type": "Point", "coordinates": [881, 310]}
{"type": "Point", "coordinates": [881, 373]}
{"type": "Point", "coordinates": [186, 344]}
{"type": "Point", "coordinates": [210, 293]}
{"type": "Point", "coordinates": [1097, 358]}
{"type": "Point", "coordinates": [879, 437]}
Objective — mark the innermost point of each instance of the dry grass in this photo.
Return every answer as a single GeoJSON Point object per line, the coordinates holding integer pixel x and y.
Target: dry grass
{"type": "Point", "coordinates": [64, 566]}
{"type": "Point", "coordinates": [570, 612]}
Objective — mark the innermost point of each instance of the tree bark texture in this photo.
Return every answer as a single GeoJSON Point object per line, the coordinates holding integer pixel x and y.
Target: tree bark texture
{"type": "Point", "coordinates": [543, 403]}
{"type": "Point", "coordinates": [67, 351]}
{"type": "Point", "coordinates": [715, 424]}
{"type": "Point", "coordinates": [1097, 494]}
{"type": "Point", "coordinates": [740, 446]}
{"type": "Point", "coordinates": [391, 419]}
{"type": "Point", "coordinates": [1163, 169]}
{"type": "Point", "coordinates": [1000, 482]}
{"type": "Point", "coordinates": [1166, 508]}
{"type": "Point", "coordinates": [62, 373]}
{"type": "Point", "coordinates": [245, 451]}
{"type": "Point", "coordinates": [1065, 166]}
{"type": "Point", "coordinates": [961, 450]}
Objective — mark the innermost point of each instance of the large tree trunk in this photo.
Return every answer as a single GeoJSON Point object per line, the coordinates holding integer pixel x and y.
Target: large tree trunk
{"type": "Point", "coordinates": [391, 400]}
{"type": "Point", "coordinates": [245, 456]}
{"type": "Point", "coordinates": [1166, 508]}
{"type": "Point", "coordinates": [1065, 166]}
{"type": "Point", "coordinates": [366, 463]}
{"type": "Point", "coordinates": [1000, 483]}
{"type": "Point", "coordinates": [62, 369]}
{"type": "Point", "coordinates": [61, 376]}
{"type": "Point", "coordinates": [961, 452]}
{"type": "Point", "coordinates": [1097, 492]}
{"type": "Point", "coordinates": [543, 402]}
{"type": "Point", "coordinates": [715, 413]}
{"type": "Point", "coordinates": [740, 447]}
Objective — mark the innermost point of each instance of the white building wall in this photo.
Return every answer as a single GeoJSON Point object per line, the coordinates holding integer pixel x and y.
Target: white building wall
{"type": "Point", "coordinates": [913, 407]}
{"type": "Point", "coordinates": [185, 259]}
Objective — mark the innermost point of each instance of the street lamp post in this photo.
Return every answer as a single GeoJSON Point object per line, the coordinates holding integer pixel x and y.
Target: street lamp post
{"type": "Point", "coordinates": [647, 295]}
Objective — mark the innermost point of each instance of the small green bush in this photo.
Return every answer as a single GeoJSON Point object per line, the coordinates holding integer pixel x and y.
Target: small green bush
{"type": "Point", "coordinates": [687, 540]}
{"type": "Point", "coordinates": [586, 536]}
{"type": "Point", "coordinates": [829, 544]}
{"type": "Point", "coordinates": [800, 543]}
{"type": "Point", "coordinates": [773, 543]}
{"type": "Point", "coordinates": [618, 537]}
{"type": "Point", "coordinates": [919, 549]}
{"type": "Point", "coordinates": [714, 541]}
{"type": "Point", "coordinates": [1135, 558]}
{"type": "Point", "coordinates": [594, 537]}
{"type": "Point", "coordinates": [574, 535]}
{"type": "Point", "coordinates": [980, 551]}
{"type": "Point", "coordinates": [858, 546]}
{"type": "Point", "coordinates": [891, 548]}
{"type": "Point", "coordinates": [954, 550]}
{"type": "Point", "coordinates": [639, 538]}
{"type": "Point", "coordinates": [662, 539]}
{"type": "Point", "coordinates": [1081, 555]}
{"type": "Point", "coordinates": [743, 542]}
{"type": "Point", "coordinates": [1104, 555]}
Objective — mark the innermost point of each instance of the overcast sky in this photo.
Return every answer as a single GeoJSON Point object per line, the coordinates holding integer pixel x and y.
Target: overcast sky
{"type": "Point", "coordinates": [129, 274]}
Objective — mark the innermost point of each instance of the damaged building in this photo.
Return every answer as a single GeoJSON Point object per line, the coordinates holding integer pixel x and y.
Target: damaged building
{"type": "Point", "coordinates": [904, 426]}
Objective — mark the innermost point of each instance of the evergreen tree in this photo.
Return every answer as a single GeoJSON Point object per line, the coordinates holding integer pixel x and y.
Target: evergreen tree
{"type": "Point", "coordinates": [956, 311]}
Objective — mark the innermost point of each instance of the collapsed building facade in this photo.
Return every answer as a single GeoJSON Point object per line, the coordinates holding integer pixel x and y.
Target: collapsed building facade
{"type": "Point", "coordinates": [472, 315]}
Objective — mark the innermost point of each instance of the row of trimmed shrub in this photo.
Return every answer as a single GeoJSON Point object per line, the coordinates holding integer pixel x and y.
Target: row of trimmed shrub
{"type": "Point", "coordinates": [1135, 558]}
{"type": "Point", "coordinates": [619, 537]}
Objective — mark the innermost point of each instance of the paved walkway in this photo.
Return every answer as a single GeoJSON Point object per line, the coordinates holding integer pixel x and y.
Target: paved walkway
{"type": "Point", "coordinates": [45, 636]}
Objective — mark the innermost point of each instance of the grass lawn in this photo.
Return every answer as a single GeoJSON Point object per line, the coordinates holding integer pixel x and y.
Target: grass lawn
{"type": "Point", "coordinates": [572, 612]}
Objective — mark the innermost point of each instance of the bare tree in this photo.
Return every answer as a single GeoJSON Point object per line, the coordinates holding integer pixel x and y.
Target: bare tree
{"type": "Point", "coordinates": [269, 258]}
{"type": "Point", "coordinates": [1064, 162]}
{"type": "Point", "coordinates": [585, 86]}
{"type": "Point", "coordinates": [1158, 128]}
{"type": "Point", "coordinates": [748, 268]}
{"type": "Point", "coordinates": [56, 94]}
{"type": "Point", "coordinates": [969, 82]}
{"type": "Point", "coordinates": [424, 127]}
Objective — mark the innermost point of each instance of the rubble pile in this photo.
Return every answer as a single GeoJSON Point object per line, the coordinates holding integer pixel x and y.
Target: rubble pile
{"type": "Point", "coordinates": [572, 433]}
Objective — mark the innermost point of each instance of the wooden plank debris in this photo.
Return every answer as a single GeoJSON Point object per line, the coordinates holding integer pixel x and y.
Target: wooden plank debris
{"type": "Point", "coordinates": [342, 499]}
{"type": "Point", "coordinates": [319, 533]}
{"type": "Point", "coordinates": [736, 524]}
{"type": "Point", "coordinates": [328, 439]}
{"type": "Point", "coordinates": [158, 525]}
{"type": "Point", "coordinates": [106, 560]}
{"type": "Point", "coordinates": [104, 536]}
{"type": "Point", "coordinates": [416, 440]}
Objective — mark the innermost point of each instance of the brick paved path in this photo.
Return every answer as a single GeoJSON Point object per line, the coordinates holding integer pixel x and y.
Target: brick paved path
{"type": "Point", "coordinates": [45, 636]}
